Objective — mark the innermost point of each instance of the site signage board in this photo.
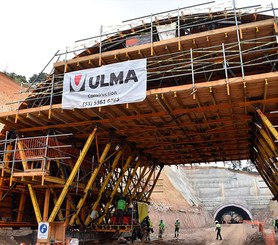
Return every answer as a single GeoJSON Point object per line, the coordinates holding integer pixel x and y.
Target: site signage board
{"type": "Point", "coordinates": [43, 230]}
{"type": "Point", "coordinates": [119, 83]}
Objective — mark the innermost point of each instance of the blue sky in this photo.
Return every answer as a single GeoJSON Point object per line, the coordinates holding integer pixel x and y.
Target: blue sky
{"type": "Point", "coordinates": [32, 31]}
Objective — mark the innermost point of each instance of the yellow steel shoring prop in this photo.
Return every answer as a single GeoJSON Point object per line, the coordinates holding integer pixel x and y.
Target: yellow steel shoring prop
{"type": "Point", "coordinates": [128, 161]}
{"type": "Point", "coordinates": [21, 206]}
{"type": "Point", "coordinates": [22, 154]}
{"type": "Point", "coordinates": [35, 203]}
{"type": "Point", "coordinates": [90, 183]}
{"type": "Point", "coordinates": [154, 183]}
{"type": "Point", "coordinates": [72, 176]}
{"type": "Point", "coordinates": [268, 154]}
{"type": "Point", "coordinates": [267, 163]}
{"type": "Point", "coordinates": [269, 141]}
{"type": "Point", "coordinates": [146, 183]}
{"type": "Point", "coordinates": [105, 183]}
{"type": "Point", "coordinates": [137, 185]}
{"type": "Point", "coordinates": [30, 188]}
{"type": "Point", "coordinates": [268, 124]}
{"type": "Point", "coordinates": [274, 188]}
{"type": "Point", "coordinates": [264, 176]}
{"type": "Point", "coordinates": [131, 177]}
{"type": "Point", "coordinates": [268, 172]}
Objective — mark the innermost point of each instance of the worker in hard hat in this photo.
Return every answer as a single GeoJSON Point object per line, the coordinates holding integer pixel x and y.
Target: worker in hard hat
{"type": "Point", "coordinates": [161, 228]}
{"type": "Point", "coordinates": [177, 228]}
{"type": "Point", "coordinates": [218, 229]}
{"type": "Point", "coordinates": [121, 205]}
{"type": "Point", "coordinates": [148, 228]}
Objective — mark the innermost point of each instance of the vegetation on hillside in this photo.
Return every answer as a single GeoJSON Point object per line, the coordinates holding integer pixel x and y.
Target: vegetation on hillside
{"type": "Point", "coordinates": [35, 78]}
{"type": "Point", "coordinates": [17, 78]}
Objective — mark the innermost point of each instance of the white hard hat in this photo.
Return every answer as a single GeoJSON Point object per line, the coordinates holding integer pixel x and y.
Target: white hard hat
{"type": "Point", "coordinates": [216, 221]}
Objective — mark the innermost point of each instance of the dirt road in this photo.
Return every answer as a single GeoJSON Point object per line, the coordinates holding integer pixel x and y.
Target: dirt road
{"type": "Point", "coordinates": [235, 234]}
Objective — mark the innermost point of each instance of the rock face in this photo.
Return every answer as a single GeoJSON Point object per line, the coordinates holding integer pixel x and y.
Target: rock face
{"type": "Point", "coordinates": [217, 187]}
{"type": "Point", "coordinates": [194, 195]}
{"type": "Point", "coordinates": [9, 92]}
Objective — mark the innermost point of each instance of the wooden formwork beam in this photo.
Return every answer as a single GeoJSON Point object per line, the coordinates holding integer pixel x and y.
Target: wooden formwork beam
{"type": "Point", "coordinates": [46, 204]}
{"type": "Point", "coordinates": [21, 206]}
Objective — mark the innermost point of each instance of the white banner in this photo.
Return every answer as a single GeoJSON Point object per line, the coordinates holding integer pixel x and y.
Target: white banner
{"type": "Point", "coordinates": [118, 83]}
{"type": "Point", "coordinates": [166, 31]}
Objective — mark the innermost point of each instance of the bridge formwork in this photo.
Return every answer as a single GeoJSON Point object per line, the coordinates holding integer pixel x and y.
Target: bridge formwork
{"type": "Point", "coordinates": [211, 95]}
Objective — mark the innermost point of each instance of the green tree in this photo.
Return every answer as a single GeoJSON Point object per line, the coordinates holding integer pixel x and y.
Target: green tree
{"type": "Point", "coordinates": [38, 77]}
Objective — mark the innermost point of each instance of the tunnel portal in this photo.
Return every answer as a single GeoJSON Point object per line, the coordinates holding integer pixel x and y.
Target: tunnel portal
{"type": "Point", "coordinates": [232, 214]}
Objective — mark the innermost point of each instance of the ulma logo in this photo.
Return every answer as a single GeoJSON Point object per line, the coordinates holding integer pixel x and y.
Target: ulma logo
{"type": "Point", "coordinates": [77, 83]}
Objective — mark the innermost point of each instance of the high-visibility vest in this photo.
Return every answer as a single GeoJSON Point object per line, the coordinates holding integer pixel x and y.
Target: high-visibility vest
{"type": "Point", "coordinates": [121, 204]}
{"type": "Point", "coordinates": [161, 226]}
{"type": "Point", "coordinates": [177, 224]}
{"type": "Point", "coordinates": [218, 226]}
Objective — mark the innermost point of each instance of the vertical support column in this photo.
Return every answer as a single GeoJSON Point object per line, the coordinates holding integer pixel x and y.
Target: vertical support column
{"type": "Point", "coordinates": [238, 40]}
{"type": "Point", "coordinates": [275, 19]}
{"type": "Point", "coordinates": [21, 206]}
{"type": "Point", "coordinates": [179, 31]}
{"type": "Point", "coordinates": [151, 34]}
{"type": "Point", "coordinates": [46, 204]}
{"type": "Point", "coordinates": [51, 96]}
{"type": "Point", "coordinates": [154, 183]}
{"type": "Point", "coordinates": [30, 188]}
{"type": "Point", "coordinates": [128, 161]}
{"type": "Point", "coordinates": [90, 183]}
{"type": "Point", "coordinates": [192, 74]}
{"type": "Point", "coordinates": [225, 68]}
{"type": "Point", "coordinates": [100, 46]}
{"type": "Point", "coordinates": [72, 175]}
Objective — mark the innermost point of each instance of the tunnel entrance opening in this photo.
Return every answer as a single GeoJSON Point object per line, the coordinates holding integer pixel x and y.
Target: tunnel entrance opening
{"type": "Point", "coordinates": [232, 214]}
